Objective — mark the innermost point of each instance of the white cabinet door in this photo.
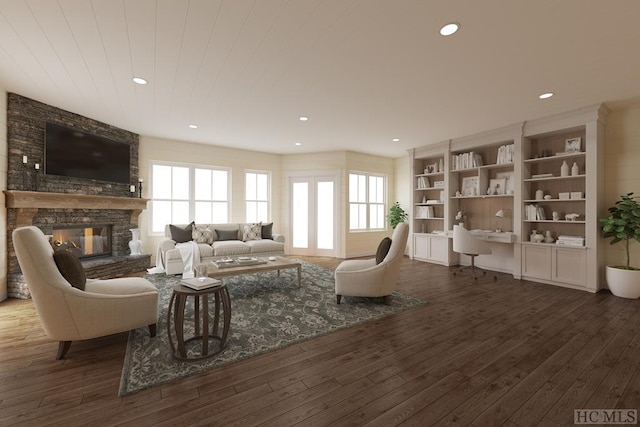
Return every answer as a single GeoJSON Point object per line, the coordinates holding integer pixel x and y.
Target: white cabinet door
{"type": "Point", "coordinates": [568, 265]}
{"type": "Point", "coordinates": [536, 261]}
{"type": "Point", "coordinates": [431, 248]}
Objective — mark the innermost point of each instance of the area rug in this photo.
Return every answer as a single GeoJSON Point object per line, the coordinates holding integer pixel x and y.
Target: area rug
{"type": "Point", "coordinates": [268, 313]}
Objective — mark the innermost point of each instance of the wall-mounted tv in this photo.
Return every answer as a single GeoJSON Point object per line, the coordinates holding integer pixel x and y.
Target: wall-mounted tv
{"type": "Point", "coordinates": [71, 153]}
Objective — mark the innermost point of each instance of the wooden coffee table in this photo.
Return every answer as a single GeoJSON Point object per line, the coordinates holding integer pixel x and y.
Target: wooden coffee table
{"type": "Point", "coordinates": [280, 263]}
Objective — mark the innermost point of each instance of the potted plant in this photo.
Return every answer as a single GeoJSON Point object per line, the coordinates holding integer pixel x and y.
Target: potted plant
{"type": "Point", "coordinates": [623, 225]}
{"type": "Point", "coordinates": [396, 215]}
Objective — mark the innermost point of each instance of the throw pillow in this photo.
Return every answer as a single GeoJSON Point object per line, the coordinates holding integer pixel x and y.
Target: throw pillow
{"type": "Point", "coordinates": [71, 269]}
{"type": "Point", "coordinates": [202, 234]}
{"type": "Point", "coordinates": [181, 235]}
{"type": "Point", "coordinates": [252, 232]}
{"type": "Point", "coordinates": [383, 249]}
{"type": "Point", "coordinates": [227, 234]}
{"type": "Point", "coordinates": [267, 231]}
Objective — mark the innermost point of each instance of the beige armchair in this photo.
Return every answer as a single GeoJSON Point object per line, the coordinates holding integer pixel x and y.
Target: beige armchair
{"type": "Point", "coordinates": [365, 278]}
{"type": "Point", "coordinates": [464, 242]}
{"type": "Point", "coordinates": [67, 314]}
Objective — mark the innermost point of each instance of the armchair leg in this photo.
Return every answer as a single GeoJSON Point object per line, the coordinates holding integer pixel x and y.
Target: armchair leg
{"type": "Point", "coordinates": [387, 299]}
{"type": "Point", "coordinates": [63, 347]}
{"type": "Point", "coordinates": [338, 298]}
{"type": "Point", "coordinates": [152, 329]}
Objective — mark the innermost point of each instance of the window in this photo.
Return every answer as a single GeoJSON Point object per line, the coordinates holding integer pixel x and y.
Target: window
{"type": "Point", "coordinates": [181, 194]}
{"type": "Point", "coordinates": [366, 201]}
{"type": "Point", "coordinates": [257, 196]}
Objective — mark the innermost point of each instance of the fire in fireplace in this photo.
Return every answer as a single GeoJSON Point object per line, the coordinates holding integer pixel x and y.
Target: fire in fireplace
{"type": "Point", "coordinates": [84, 242]}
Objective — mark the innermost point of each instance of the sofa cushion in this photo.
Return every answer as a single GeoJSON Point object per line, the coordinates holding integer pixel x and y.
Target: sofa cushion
{"type": "Point", "coordinates": [226, 235]}
{"type": "Point", "coordinates": [251, 232]}
{"type": "Point", "coordinates": [181, 235]}
{"type": "Point", "coordinates": [264, 245]}
{"type": "Point", "coordinates": [230, 247]}
{"type": "Point", "coordinates": [71, 269]}
{"type": "Point", "coordinates": [267, 231]}
{"type": "Point", "coordinates": [202, 234]}
{"type": "Point", "coordinates": [383, 249]}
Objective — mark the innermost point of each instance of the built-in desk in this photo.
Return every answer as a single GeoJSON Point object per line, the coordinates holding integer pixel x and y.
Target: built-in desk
{"type": "Point", "coordinates": [490, 236]}
{"type": "Point", "coordinates": [501, 257]}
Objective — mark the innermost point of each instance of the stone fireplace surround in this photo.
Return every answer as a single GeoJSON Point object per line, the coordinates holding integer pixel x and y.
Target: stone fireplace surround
{"type": "Point", "coordinates": [64, 200]}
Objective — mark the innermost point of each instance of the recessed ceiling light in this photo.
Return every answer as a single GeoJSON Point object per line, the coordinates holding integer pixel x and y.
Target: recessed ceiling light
{"type": "Point", "coordinates": [193, 126]}
{"type": "Point", "coordinates": [546, 95]}
{"type": "Point", "coordinates": [298, 144]}
{"type": "Point", "coordinates": [303, 118]}
{"type": "Point", "coordinates": [449, 29]}
{"type": "Point", "coordinates": [139, 80]}
{"type": "Point", "coordinates": [396, 139]}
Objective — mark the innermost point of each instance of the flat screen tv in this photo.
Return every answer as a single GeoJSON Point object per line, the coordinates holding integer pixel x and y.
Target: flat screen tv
{"type": "Point", "coordinates": [71, 153]}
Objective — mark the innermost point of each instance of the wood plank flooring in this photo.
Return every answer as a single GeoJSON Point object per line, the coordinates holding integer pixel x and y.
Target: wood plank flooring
{"type": "Point", "coordinates": [502, 352]}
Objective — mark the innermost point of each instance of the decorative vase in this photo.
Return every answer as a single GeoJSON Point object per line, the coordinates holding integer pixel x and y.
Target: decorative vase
{"type": "Point", "coordinates": [575, 170]}
{"type": "Point", "coordinates": [135, 244]}
{"type": "Point", "coordinates": [532, 237]}
{"type": "Point", "coordinates": [564, 169]}
{"type": "Point", "coordinates": [539, 194]}
{"type": "Point", "coordinates": [548, 238]}
{"type": "Point", "coordinates": [623, 283]}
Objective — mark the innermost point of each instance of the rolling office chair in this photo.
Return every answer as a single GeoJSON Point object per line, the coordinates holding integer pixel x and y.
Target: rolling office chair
{"type": "Point", "coordinates": [466, 243]}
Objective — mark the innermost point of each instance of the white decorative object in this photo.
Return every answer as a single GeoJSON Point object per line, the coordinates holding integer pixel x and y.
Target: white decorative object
{"type": "Point", "coordinates": [576, 194]}
{"type": "Point", "coordinates": [539, 195]}
{"type": "Point", "coordinates": [571, 216]}
{"type": "Point", "coordinates": [547, 197]}
{"type": "Point", "coordinates": [135, 244]}
{"type": "Point", "coordinates": [548, 238]}
{"type": "Point", "coordinates": [556, 216]}
{"type": "Point", "coordinates": [564, 169]}
{"type": "Point", "coordinates": [564, 196]}
{"type": "Point", "coordinates": [575, 170]}
{"type": "Point", "coordinates": [623, 283]}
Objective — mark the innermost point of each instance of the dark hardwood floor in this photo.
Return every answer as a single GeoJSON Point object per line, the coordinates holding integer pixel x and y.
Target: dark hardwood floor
{"type": "Point", "coordinates": [491, 353]}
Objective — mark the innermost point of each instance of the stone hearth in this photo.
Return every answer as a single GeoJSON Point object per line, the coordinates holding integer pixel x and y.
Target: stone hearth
{"type": "Point", "coordinates": [45, 210]}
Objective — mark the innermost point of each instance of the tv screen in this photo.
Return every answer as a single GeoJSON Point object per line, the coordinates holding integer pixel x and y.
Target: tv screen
{"type": "Point", "coordinates": [82, 155]}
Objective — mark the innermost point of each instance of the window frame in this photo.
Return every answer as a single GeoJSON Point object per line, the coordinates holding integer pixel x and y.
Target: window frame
{"type": "Point", "coordinates": [192, 190]}
{"type": "Point", "coordinates": [367, 203]}
{"type": "Point", "coordinates": [247, 200]}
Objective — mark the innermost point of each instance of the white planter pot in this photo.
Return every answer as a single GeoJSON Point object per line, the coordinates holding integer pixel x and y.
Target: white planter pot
{"type": "Point", "coordinates": [623, 283]}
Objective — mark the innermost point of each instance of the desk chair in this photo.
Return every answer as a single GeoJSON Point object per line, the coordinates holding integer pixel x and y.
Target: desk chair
{"type": "Point", "coordinates": [466, 243]}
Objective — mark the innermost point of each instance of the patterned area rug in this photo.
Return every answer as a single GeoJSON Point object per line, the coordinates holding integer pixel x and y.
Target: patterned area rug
{"type": "Point", "coordinates": [267, 313]}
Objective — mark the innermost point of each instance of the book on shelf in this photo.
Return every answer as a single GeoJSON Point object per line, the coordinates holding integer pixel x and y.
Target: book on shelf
{"type": "Point", "coordinates": [424, 212]}
{"type": "Point", "coordinates": [570, 240]}
{"type": "Point", "coordinates": [542, 175]}
{"type": "Point", "coordinates": [200, 283]}
{"type": "Point", "coordinates": [466, 160]}
{"type": "Point", "coordinates": [505, 154]}
{"type": "Point", "coordinates": [534, 213]}
{"type": "Point", "coordinates": [423, 182]}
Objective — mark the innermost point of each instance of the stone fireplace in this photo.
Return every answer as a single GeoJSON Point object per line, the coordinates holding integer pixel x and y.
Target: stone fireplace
{"type": "Point", "coordinates": [52, 202]}
{"type": "Point", "coordinates": [54, 211]}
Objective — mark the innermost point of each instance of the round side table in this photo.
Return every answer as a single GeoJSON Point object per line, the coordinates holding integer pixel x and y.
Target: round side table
{"type": "Point", "coordinates": [213, 338]}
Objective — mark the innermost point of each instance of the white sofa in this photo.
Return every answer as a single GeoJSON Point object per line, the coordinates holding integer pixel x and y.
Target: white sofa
{"type": "Point", "coordinates": [172, 260]}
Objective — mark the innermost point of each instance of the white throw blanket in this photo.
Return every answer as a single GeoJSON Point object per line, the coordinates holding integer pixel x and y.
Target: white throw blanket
{"type": "Point", "coordinates": [190, 257]}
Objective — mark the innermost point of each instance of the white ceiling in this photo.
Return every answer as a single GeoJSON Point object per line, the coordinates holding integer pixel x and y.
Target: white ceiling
{"type": "Point", "coordinates": [364, 71]}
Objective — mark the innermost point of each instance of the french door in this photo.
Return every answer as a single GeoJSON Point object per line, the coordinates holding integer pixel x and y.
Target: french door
{"type": "Point", "coordinates": [313, 214]}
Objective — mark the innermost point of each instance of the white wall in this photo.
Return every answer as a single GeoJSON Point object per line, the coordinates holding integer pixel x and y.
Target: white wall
{"type": "Point", "coordinates": [3, 186]}
{"type": "Point", "coordinates": [622, 170]}
{"type": "Point", "coordinates": [159, 149]}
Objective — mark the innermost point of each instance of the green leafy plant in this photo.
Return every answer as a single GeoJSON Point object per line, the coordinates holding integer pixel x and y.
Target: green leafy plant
{"type": "Point", "coordinates": [623, 223]}
{"type": "Point", "coordinates": [396, 215]}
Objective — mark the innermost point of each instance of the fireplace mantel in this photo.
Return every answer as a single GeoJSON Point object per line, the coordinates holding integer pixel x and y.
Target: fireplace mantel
{"type": "Point", "coordinates": [27, 203]}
